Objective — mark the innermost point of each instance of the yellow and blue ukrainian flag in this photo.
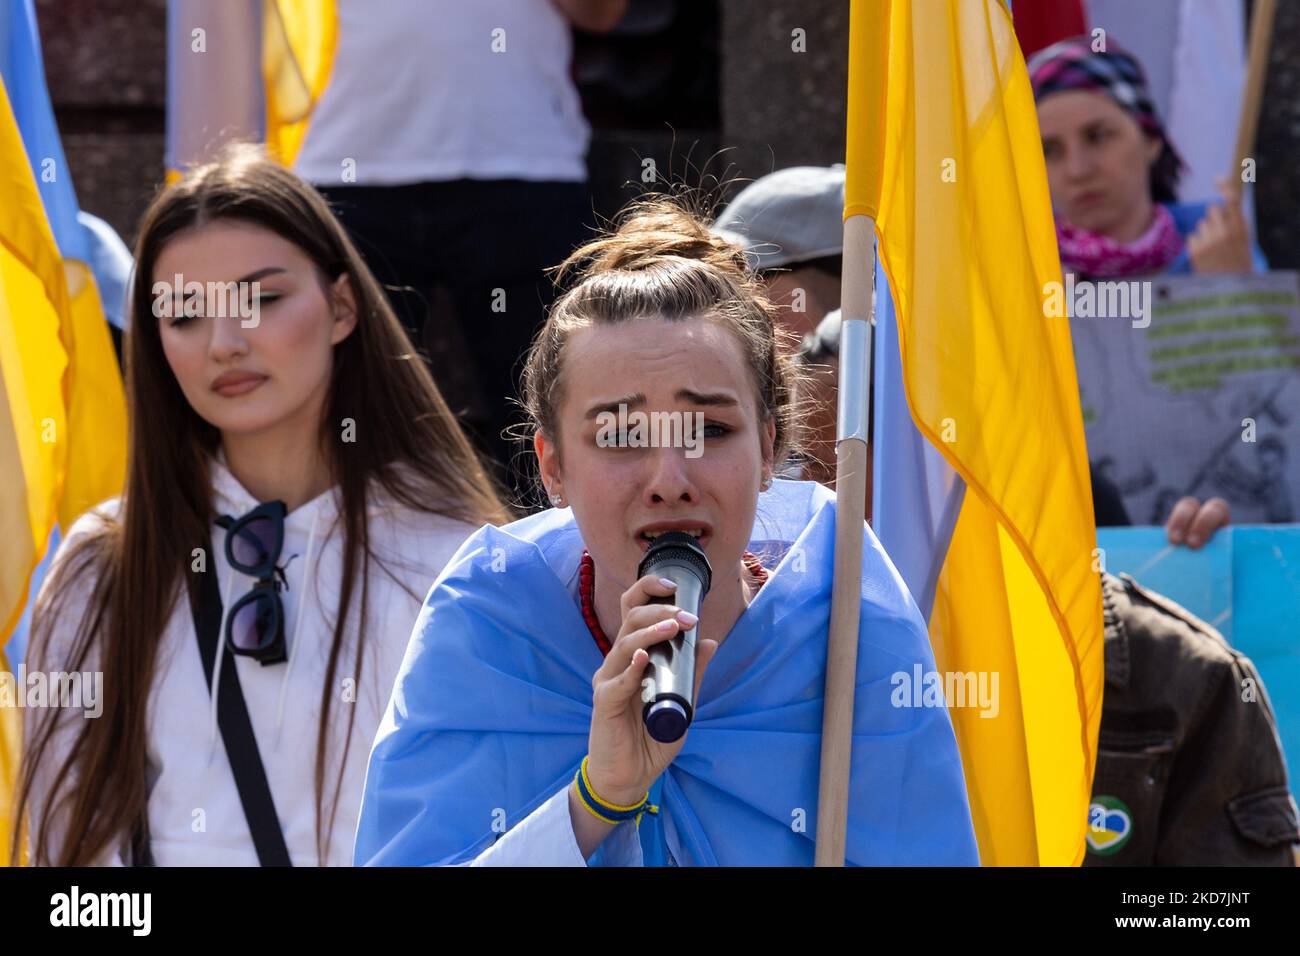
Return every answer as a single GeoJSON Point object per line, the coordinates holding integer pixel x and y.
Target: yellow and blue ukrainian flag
{"type": "Point", "coordinates": [62, 408]}
{"type": "Point", "coordinates": [981, 490]}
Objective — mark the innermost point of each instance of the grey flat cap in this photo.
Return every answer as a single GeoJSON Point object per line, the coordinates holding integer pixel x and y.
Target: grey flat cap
{"type": "Point", "coordinates": [787, 217]}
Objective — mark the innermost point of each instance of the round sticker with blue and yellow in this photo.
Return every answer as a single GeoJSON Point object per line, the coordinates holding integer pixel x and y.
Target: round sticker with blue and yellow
{"type": "Point", "coordinates": [1109, 825]}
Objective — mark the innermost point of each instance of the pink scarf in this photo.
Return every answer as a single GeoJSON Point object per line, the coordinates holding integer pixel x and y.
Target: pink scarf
{"type": "Point", "coordinates": [1090, 255]}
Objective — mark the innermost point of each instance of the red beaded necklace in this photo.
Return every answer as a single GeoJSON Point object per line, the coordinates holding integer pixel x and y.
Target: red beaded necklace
{"type": "Point", "coordinates": [587, 588]}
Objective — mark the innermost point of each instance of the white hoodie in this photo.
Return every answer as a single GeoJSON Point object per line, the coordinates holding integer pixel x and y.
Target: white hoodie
{"type": "Point", "coordinates": [195, 817]}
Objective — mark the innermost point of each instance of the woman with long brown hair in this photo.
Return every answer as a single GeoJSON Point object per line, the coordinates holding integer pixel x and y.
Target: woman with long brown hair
{"type": "Point", "coordinates": [297, 458]}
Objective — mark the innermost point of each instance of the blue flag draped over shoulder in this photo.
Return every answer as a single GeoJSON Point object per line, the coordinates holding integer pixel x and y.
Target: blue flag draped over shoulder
{"type": "Point", "coordinates": [492, 708]}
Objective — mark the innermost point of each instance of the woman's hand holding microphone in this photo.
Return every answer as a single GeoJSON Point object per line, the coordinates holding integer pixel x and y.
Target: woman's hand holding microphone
{"type": "Point", "coordinates": [623, 759]}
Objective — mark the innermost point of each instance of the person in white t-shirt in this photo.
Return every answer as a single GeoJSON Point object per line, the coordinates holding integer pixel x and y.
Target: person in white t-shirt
{"type": "Point", "coordinates": [289, 456]}
{"type": "Point", "coordinates": [450, 138]}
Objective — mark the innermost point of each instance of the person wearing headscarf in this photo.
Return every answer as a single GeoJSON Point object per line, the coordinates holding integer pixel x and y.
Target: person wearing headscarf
{"type": "Point", "coordinates": [1113, 174]}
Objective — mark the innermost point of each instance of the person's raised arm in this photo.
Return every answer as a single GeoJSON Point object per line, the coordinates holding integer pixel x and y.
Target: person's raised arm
{"type": "Point", "coordinates": [404, 821]}
{"type": "Point", "coordinates": [624, 761]}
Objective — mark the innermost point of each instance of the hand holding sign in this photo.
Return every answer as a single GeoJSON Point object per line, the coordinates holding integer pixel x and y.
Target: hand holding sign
{"type": "Point", "coordinates": [1221, 242]}
{"type": "Point", "coordinates": [1192, 523]}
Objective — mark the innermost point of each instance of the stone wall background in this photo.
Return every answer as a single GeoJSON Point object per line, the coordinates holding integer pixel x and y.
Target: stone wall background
{"type": "Point", "coordinates": [105, 64]}
{"type": "Point", "coordinates": [780, 107]}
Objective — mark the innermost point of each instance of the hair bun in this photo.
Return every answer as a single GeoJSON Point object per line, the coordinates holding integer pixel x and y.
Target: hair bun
{"type": "Point", "coordinates": [648, 232]}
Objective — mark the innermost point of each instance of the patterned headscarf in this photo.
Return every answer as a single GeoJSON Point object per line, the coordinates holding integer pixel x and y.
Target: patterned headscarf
{"type": "Point", "coordinates": [1073, 65]}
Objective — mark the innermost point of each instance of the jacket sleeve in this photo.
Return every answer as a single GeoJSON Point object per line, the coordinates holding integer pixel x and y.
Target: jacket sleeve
{"type": "Point", "coordinates": [1229, 803]}
{"type": "Point", "coordinates": [546, 838]}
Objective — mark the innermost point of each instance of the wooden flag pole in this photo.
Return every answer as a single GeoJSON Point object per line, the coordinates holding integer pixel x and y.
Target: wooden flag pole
{"type": "Point", "coordinates": [1252, 98]}
{"type": "Point", "coordinates": [864, 157]}
{"type": "Point", "coordinates": [850, 506]}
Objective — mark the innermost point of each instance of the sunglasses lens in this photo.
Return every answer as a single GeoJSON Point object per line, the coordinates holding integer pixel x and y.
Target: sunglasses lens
{"type": "Point", "coordinates": [254, 624]}
{"type": "Point", "coordinates": [254, 542]}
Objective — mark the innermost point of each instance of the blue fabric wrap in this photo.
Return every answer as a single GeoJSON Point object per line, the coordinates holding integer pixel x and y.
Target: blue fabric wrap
{"type": "Point", "coordinates": [491, 709]}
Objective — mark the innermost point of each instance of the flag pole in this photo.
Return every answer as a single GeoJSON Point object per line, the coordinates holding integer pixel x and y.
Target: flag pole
{"type": "Point", "coordinates": [868, 59]}
{"type": "Point", "coordinates": [850, 508]}
{"type": "Point", "coordinates": [1252, 97]}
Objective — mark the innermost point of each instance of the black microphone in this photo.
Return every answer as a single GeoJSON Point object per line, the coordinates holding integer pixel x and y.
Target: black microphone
{"type": "Point", "coordinates": [668, 688]}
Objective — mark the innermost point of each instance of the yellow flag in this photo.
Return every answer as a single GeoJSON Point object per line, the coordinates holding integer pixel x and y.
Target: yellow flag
{"type": "Point", "coordinates": [967, 239]}
{"type": "Point", "coordinates": [298, 42]}
{"type": "Point", "coordinates": [96, 402]}
{"type": "Point", "coordinates": [62, 409]}
{"type": "Point", "coordinates": [263, 91]}
{"type": "Point", "coordinates": [32, 418]}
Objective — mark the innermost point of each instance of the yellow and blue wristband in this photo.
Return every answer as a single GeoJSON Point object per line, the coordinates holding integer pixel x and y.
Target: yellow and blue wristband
{"type": "Point", "coordinates": [601, 809]}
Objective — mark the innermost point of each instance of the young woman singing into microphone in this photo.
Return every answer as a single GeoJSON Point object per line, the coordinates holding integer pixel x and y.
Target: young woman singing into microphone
{"type": "Point", "coordinates": [515, 734]}
{"type": "Point", "coordinates": [299, 461]}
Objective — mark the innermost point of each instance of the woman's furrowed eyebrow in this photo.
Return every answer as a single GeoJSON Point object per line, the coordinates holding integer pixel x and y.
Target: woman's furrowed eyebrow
{"type": "Point", "coordinates": [715, 399]}
{"type": "Point", "coordinates": [709, 399]}
{"type": "Point", "coordinates": [627, 400]}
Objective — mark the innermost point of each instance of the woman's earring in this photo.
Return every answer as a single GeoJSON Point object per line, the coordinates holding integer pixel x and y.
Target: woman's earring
{"type": "Point", "coordinates": [556, 499]}
{"type": "Point", "coordinates": [766, 483]}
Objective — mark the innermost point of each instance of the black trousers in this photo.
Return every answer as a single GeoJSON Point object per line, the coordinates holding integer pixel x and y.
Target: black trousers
{"type": "Point", "coordinates": [463, 262]}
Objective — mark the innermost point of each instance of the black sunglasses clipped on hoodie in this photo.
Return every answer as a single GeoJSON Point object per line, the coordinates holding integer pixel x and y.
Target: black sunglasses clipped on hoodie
{"type": "Point", "coordinates": [255, 624]}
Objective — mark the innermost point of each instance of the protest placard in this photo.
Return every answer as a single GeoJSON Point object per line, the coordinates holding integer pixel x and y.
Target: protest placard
{"type": "Point", "coordinates": [1199, 395]}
